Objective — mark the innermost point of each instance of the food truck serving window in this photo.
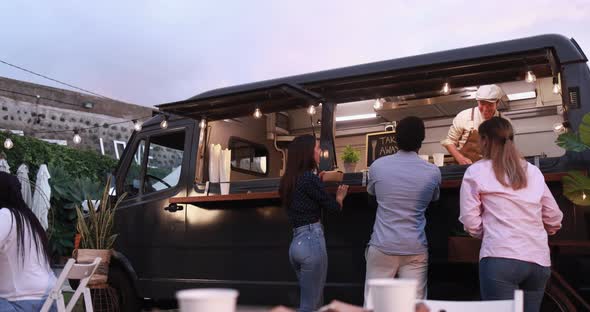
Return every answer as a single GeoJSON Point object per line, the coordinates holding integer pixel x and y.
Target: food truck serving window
{"type": "Point", "coordinates": [248, 157]}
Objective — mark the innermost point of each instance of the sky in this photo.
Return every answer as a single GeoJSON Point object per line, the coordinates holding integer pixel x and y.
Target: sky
{"type": "Point", "coordinates": [152, 52]}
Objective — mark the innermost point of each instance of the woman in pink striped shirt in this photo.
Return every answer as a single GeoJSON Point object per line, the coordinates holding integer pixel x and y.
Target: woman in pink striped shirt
{"type": "Point", "coordinates": [506, 203]}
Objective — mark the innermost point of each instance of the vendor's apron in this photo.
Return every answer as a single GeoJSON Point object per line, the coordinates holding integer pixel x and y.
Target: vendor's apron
{"type": "Point", "coordinates": [471, 148]}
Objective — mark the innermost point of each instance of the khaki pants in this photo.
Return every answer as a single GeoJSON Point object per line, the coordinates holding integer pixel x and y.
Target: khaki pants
{"type": "Point", "coordinates": [380, 265]}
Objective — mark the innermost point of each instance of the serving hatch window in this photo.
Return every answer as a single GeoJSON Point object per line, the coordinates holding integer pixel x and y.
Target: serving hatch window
{"type": "Point", "coordinates": [248, 157]}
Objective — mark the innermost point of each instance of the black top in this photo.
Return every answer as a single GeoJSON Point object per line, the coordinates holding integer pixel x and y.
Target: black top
{"type": "Point", "coordinates": [307, 199]}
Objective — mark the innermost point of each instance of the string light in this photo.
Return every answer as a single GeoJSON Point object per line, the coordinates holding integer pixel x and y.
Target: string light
{"type": "Point", "coordinates": [556, 86]}
{"type": "Point", "coordinates": [257, 113]}
{"type": "Point", "coordinates": [164, 123]}
{"type": "Point", "coordinates": [77, 138]}
{"type": "Point", "coordinates": [137, 125]}
{"type": "Point", "coordinates": [8, 144]}
{"type": "Point", "coordinates": [530, 77]}
{"type": "Point", "coordinates": [446, 89]}
{"type": "Point", "coordinates": [203, 123]}
{"type": "Point", "coordinates": [311, 110]}
{"type": "Point", "coordinates": [378, 104]}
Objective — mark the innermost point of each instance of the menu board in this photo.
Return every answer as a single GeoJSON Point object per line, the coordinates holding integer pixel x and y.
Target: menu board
{"type": "Point", "coordinates": [380, 144]}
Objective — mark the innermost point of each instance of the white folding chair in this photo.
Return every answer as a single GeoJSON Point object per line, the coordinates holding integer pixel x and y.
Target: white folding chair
{"type": "Point", "coordinates": [76, 271]}
{"type": "Point", "coordinates": [514, 305]}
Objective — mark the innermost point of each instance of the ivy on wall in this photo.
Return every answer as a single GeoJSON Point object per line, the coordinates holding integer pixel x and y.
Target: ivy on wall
{"type": "Point", "coordinates": [76, 175]}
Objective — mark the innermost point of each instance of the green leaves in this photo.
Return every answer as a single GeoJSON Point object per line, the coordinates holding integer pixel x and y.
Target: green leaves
{"type": "Point", "coordinates": [584, 130]}
{"type": "Point", "coordinates": [571, 142]}
{"type": "Point", "coordinates": [96, 228]}
{"type": "Point", "coordinates": [576, 142]}
{"type": "Point", "coordinates": [576, 187]}
{"type": "Point", "coordinates": [350, 155]}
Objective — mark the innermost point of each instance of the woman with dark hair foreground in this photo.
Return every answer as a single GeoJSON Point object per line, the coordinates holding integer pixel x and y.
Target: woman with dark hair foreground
{"type": "Point", "coordinates": [303, 195]}
{"type": "Point", "coordinates": [25, 275]}
{"type": "Point", "coordinates": [505, 202]}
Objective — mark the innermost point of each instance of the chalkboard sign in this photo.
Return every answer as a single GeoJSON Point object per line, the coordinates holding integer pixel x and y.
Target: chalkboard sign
{"type": "Point", "coordinates": [380, 144]}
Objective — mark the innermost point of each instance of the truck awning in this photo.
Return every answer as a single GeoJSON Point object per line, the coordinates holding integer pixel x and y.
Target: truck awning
{"type": "Point", "coordinates": [472, 66]}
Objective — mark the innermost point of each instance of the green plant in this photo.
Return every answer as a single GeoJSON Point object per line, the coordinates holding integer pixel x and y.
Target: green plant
{"type": "Point", "coordinates": [66, 193]}
{"type": "Point", "coordinates": [96, 228]}
{"type": "Point", "coordinates": [576, 186]}
{"type": "Point", "coordinates": [350, 155]}
{"type": "Point", "coordinates": [74, 173]}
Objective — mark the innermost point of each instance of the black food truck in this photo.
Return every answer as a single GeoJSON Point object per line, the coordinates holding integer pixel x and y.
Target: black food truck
{"type": "Point", "coordinates": [178, 231]}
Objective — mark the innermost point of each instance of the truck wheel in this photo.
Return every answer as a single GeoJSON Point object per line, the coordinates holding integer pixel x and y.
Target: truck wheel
{"type": "Point", "coordinates": [120, 281]}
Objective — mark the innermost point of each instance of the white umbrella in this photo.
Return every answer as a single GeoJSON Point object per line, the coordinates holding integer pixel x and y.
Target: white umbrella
{"type": "Point", "coordinates": [25, 187]}
{"type": "Point", "coordinates": [42, 195]}
{"type": "Point", "coordinates": [4, 167]}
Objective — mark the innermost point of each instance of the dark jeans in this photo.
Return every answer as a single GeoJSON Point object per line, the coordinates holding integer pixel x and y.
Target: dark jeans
{"type": "Point", "coordinates": [309, 259]}
{"type": "Point", "coordinates": [500, 277]}
{"type": "Point", "coordinates": [24, 306]}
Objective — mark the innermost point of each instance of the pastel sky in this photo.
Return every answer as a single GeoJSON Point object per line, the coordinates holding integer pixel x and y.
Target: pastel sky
{"type": "Point", "coordinates": [150, 52]}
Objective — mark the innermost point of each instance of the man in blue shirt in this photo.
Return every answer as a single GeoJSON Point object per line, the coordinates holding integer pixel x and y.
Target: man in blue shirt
{"type": "Point", "coordinates": [404, 185]}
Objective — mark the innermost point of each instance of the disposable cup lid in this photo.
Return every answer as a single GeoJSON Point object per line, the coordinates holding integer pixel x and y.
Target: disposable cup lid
{"type": "Point", "coordinates": [392, 282]}
{"type": "Point", "coordinates": [206, 293]}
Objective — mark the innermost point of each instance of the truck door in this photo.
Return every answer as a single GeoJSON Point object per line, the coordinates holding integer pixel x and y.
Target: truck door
{"type": "Point", "coordinates": [159, 164]}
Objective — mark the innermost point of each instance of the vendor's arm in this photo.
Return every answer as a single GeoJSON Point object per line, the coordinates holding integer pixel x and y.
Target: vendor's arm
{"type": "Point", "coordinates": [452, 141]}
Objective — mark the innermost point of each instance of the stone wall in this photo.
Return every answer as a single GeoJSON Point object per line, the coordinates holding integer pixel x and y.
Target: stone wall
{"type": "Point", "coordinates": [50, 113]}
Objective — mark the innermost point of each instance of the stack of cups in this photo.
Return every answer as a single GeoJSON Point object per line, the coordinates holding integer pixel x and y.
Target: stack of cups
{"type": "Point", "coordinates": [388, 294]}
{"type": "Point", "coordinates": [439, 159]}
{"type": "Point", "coordinates": [207, 300]}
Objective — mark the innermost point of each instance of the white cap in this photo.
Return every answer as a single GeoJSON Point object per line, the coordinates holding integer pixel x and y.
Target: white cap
{"type": "Point", "coordinates": [491, 93]}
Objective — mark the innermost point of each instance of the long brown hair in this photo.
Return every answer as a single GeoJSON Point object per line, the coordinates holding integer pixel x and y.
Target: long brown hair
{"type": "Point", "coordinates": [497, 144]}
{"type": "Point", "coordinates": [300, 158]}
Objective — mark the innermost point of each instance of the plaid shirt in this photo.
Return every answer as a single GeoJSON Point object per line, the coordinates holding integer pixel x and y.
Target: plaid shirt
{"type": "Point", "coordinates": [307, 200]}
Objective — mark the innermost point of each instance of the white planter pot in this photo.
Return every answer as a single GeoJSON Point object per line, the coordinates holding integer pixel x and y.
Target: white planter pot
{"type": "Point", "coordinates": [349, 167]}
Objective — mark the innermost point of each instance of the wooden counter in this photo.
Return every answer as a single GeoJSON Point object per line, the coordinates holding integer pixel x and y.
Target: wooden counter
{"type": "Point", "coordinates": [549, 177]}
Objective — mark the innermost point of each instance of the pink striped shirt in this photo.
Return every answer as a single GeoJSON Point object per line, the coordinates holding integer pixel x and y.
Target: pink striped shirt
{"type": "Point", "coordinates": [513, 224]}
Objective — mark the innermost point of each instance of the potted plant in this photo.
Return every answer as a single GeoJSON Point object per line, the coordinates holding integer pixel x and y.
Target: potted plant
{"type": "Point", "coordinates": [576, 184]}
{"type": "Point", "coordinates": [96, 234]}
{"type": "Point", "coordinates": [350, 157]}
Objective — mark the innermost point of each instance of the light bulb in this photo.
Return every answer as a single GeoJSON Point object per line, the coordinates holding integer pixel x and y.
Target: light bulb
{"type": "Point", "coordinates": [137, 125]}
{"type": "Point", "coordinates": [583, 196]}
{"type": "Point", "coordinates": [77, 139]}
{"type": "Point", "coordinates": [164, 123]}
{"type": "Point", "coordinates": [8, 144]}
{"type": "Point", "coordinates": [257, 113]}
{"type": "Point", "coordinates": [378, 104]}
{"type": "Point", "coordinates": [311, 110]}
{"type": "Point", "coordinates": [556, 86]}
{"type": "Point", "coordinates": [446, 89]}
{"type": "Point", "coordinates": [530, 77]}
{"type": "Point", "coordinates": [202, 124]}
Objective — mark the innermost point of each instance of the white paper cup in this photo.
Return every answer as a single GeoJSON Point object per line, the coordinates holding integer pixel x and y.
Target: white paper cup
{"type": "Point", "coordinates": [207, 300]}
{"type": "Point", "coordinates": [425, 157]}
{"type": "Point", "coordinates": [388, 294]}
{"type": "Point", "coordinates": [439, 159]}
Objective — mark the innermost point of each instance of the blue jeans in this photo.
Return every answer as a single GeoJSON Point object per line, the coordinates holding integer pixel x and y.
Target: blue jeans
{"type": "Point", "coordinates": [500, 277]}
{"type": "Point", "coordinates": [23, 306]}
{"type": "Point", "coordinates": [309, 259]}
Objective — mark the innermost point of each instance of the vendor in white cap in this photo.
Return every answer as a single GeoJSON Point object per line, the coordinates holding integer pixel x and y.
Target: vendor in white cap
{"type": "Point", "coordinates": [463, 139]}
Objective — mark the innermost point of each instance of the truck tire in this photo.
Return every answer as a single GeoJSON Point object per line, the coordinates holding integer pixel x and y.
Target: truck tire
{"type": "Point", "coordinates": [120, 281]}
